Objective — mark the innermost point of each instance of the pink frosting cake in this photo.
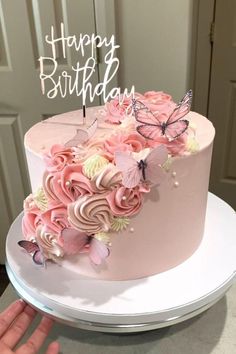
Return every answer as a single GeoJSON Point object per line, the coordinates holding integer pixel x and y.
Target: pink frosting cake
{"type": "Point", "coordinates": [123, 196]}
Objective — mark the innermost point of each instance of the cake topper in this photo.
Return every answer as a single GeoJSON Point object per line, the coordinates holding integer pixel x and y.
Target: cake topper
{"type": "Point", "coordinates": [63, 83]}
{"type": "Point", "coordinates": [84, 114]}
{"type": "Point", "coordinates": [148, 169]}
{"type": "Point", "coordinates": [152, 127]}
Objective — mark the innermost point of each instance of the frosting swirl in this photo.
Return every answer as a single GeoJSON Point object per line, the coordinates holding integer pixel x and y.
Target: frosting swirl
{"type": "Point", "coordinates": [55, 219]}
{"type": "Point", "coordinates": [58, 157]}
{"type": "Point", "coordinates": [67, 185]}
{"type": "Point", "coordinates": [30, 222]}
{"type": "Point", "coordinates": [108, 178]}
{"type": "Point", "coordinates": [125, 201]}
{"type": "Point", "coordinates": [48, 242]}
{"type": "Point", "coordinates": [93, 165]}
{"type": "Point", "coordinates": [90, 214]}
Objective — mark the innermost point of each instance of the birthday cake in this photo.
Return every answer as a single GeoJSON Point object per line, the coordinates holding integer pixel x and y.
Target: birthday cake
{"type": "Point", "coordinates": [122, 193]}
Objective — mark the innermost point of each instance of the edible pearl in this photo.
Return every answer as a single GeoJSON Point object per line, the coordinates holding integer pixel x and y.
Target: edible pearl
{"type": "Point", "coordinates": [109, 244]}
{"type": "Point", "coordinates": [131, 229]}
{"type": "Point", "coordinates": [68, 183]}
{"type": "Point", "coordinates": [176, 184]}
{"type": "Point", "coordinates": [174, 174]}
{"type": "Point", "coordinates": [124, 197]}
{"type": "Point", "coordinates": [59, 181]}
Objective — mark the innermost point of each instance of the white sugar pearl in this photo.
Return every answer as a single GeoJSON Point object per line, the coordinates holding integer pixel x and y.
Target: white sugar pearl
{"type": "Point", "coordinates": [124, 197]}
{"type": "Point", "coordinates": [59, 181]}
{"type": "Point", "coordinates": [174, 174]}
{"type": "Point", "coordinates": [176, 184]}
{"type": "Point", "coordinates": [68, 183]}
{"type": "Point", "coordinates": [131, 229]}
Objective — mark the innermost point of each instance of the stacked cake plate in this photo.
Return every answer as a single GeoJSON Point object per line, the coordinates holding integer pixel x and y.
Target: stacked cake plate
{"type": "Point", "coordinates": [137, 305]}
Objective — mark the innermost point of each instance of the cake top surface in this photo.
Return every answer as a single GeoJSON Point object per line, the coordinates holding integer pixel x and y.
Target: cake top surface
{"type": "Point", "coordinates": [60, 128]}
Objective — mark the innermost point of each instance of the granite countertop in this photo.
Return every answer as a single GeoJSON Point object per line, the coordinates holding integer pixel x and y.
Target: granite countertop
{"type": "Point", "coordinates": [214, 331]}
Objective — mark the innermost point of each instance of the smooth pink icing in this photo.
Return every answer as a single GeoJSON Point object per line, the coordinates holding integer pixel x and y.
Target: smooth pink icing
{"type": "Point", "coordinates": [166, 230]}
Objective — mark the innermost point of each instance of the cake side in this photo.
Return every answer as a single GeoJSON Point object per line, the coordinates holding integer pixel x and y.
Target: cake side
{"type": "Point", "coordinates": [160, 226]}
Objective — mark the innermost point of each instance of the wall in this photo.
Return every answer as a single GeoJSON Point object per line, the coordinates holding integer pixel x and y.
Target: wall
{"type": "Point", "coordinates": [156, 44]}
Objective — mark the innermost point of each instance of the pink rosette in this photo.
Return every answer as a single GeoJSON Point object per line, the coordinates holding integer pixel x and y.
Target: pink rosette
{"type": "Point", "coordinates": [175, 147]}
{"type": "Point", "coordinates": [67, 185]}
{"type": "Point", "coordinates": [96, 146]}
{"type": "Point", "coordinates": [49, 244]}
{"type": "Point", "coordinates": [133, 142]}
{"type": "Point", "coordinates": [49, 180]}
{"type": "Point", "coordinates": [125, 201]}
{"type": "Point", "coordinates": [30, 222]}
{"type": "Point", "coordinates": [157, 97]}
{"type": "Point", "coordinates": [90, 214]}
{"type": "Point", "coordinates": [116, 111]}
{"type": "Point", "coordinates": [107, 179]}
{"type": "Point", "coordinates": [55, 219]}
{"type": "Point", "coordinates": [160, 103]}
{"type": "Point", "coordinates": [58, 157]}
{"type": "Point", "coordinates": [30, 206]}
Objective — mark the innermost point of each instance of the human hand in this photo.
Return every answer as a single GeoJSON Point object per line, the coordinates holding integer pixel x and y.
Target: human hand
{"type": "Point", "coordinates": [14, 322]}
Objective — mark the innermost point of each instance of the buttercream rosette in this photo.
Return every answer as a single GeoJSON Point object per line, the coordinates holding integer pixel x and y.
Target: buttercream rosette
{"type": "Point", "coordinates": [90, 214]}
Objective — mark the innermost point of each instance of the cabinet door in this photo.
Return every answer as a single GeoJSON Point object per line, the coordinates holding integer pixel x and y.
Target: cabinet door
{"type": "Point", "coordinates": [23, 26]}
{"type": "Point", "coordinates": [222, 102]}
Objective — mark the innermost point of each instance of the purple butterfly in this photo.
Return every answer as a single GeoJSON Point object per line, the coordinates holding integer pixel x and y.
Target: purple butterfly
{"type": "Point", "coordinates": [75, 241]}
{"type": "Point", "coordinates": [152, 128]}
{"type": "Point", "coordinates": [34, 249]}
{"type": "Point", "coordinates": [148, 169]}
{"type": "Point", "coordinates": [82, 136]}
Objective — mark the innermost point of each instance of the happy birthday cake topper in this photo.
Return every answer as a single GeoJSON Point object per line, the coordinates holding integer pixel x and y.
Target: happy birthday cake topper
{"type": "Point", "coordinates": [78, 82]}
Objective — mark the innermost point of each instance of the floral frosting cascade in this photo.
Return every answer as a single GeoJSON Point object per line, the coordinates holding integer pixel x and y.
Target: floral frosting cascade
{"type": "Point", "coordinates": [92, 190]}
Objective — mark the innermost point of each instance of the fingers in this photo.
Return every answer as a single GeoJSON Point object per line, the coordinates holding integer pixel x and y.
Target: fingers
{"type": "Point", "coordinates": [37, 338]}
{"type": "Point", "coordinates": [53, 348]}
{"type": "Point", "coordinates": [18, 327]}
{"type": "Point", "coordinates": [8, 315]}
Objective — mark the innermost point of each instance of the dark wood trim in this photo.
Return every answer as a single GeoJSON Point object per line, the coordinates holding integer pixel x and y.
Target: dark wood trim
{"type": "Point", "coordinates": [203, 16]}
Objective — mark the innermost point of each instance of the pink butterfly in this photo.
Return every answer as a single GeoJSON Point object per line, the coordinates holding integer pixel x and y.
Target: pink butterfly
{"type": "Point", "coordinates": [82, 136]}
{"type": "Point", "coordinates": [152, 127]}
{"type": "Point", "coordinates": [148, 169]}
{"type": "Point", "coordinates": [75, 241]}
{"type": "Point", "coordinates": [34, 249]}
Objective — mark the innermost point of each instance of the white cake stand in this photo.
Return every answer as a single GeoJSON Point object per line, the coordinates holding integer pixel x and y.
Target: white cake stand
{"type": "Point", "coordinates": [138, 305]}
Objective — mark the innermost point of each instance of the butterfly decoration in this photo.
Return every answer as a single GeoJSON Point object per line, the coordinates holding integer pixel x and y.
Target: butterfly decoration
{"type": "Point", "coordinates": [75, 241]}
{"type": "Point", "coordinates": [152, 127]}
{"type": "Point", "coordinates": [34, 249]}
{"type": "Point", "coordinates": [82, 135]}
{"type": "Point", "coordinates": [148, 169]}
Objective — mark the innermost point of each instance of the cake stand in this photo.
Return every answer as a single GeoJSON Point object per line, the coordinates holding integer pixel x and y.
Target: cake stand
{"type": "Point", "coordinates": [138, 305]}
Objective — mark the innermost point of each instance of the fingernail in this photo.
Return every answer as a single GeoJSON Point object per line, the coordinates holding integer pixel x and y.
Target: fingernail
{"type": "Point", "coordinates": [21, 300]}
